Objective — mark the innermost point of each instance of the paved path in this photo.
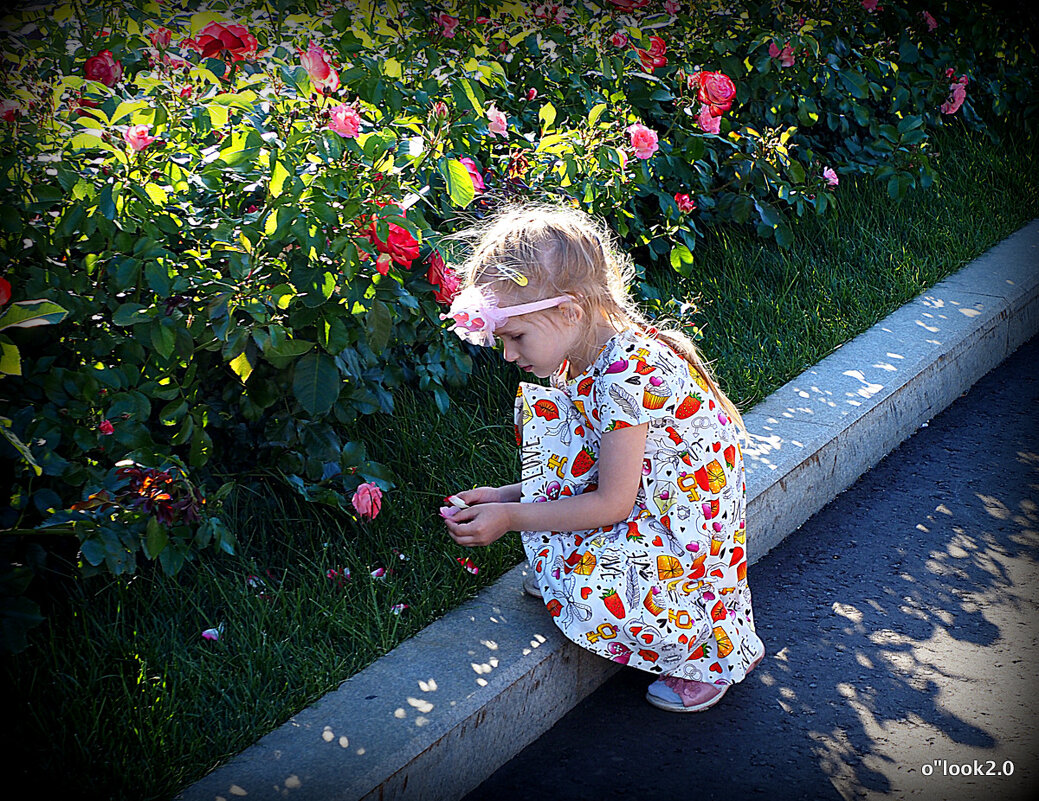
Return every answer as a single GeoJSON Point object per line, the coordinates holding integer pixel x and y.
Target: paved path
{"type": "Point", "coordinates": [901, 623]}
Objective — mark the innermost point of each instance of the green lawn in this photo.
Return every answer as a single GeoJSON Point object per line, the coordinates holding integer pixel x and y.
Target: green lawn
{"type": "Point", "coordinates": [120, 697]}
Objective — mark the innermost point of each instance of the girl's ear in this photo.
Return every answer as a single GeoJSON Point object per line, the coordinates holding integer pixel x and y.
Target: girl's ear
{"type": "Point", "coordinates": [572, 312]}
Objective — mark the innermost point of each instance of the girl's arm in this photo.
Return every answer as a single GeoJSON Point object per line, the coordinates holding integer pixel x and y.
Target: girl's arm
{"type": "Point", "coordinates": [620, 473]}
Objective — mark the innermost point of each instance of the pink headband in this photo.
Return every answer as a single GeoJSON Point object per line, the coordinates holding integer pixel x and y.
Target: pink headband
{"type": "Point", "coordinates": [476, 313]}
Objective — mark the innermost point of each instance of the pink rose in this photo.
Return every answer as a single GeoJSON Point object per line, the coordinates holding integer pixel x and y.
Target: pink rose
{"type": "Point", "coordinates": [619, 39]}
{"type": "Point", "coordinates": [671, 7]}
{"type": "Point", "coordinates": [474, 173]}
{"type": "Point", "coordinates": [439, 109]}
{"type": "Point", "coordinates": [106, 428]}
{"type": "Point", "coordinates": [707, 121]}
{"type": "Point", "coordinates": [498, 122]}
{"type": "Point", "coordinates": [685, 203]}
{"type": "Point", "coordinates": [830, 176]}
{"type": "Point", "coordinates": [957, 94]}
{"type": "Point", "coordinates": [629, 5]}
{"type": "Point", "coordinates": [226, 40]}
{"type": "Point", "coordinates": [716, 90]}
{"type": "Point", "coordinates": [643, 140]}
{"type": "Point", "coordinates": [161, 37]}
{"type": "Point", "coordinates": [532, 93]}
{"type": "Point", "coordinates": [137, 137]}
{"type": "Point", "coordinates": [319, 67]}
{"type": "Point", "coordinates": [785, 56]}
{"type": "Point", "coordinates": [345, 121]}
{"type": "Point", "coordinates": [442, 276]}
{"type": "Point", "coordinates": [870, 5]}
{"type": "Point", "coordinates": [103, 68]}
{"type": "Point", "coordinates": [932, 23]}
{"type": "Point", "coordinates": [367, 500]}
{"type": "Point", "coordinates": [447, 25]}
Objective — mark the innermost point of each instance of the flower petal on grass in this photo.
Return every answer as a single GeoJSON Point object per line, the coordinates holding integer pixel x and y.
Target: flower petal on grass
{"type": "Point", "coordinates": [468, 564]}
{"type": "Point", "coordinates": [213, 634]}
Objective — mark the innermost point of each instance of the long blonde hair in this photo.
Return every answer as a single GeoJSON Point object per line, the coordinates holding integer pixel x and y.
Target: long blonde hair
{"type": "Point", "coordinates": [527, 251]}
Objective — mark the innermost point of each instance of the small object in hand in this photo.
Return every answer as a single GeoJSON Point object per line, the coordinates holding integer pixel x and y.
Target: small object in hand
{"type": "Point", "coordinates": [456, 502]}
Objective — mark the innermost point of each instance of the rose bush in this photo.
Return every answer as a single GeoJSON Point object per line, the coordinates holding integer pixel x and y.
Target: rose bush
{"type": "Point", "coordinates": [234, 222]}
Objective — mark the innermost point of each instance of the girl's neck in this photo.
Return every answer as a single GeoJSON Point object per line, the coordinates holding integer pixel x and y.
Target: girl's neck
{"type": "Point", "coordinates": [605, 330]}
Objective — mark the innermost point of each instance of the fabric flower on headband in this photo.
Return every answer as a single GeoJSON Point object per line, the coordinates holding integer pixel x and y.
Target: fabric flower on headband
{"type": "Point", "coordinates": [475, 313]}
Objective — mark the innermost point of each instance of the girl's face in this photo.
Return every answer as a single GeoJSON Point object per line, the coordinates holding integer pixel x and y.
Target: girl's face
{"type": "Point", "coordinates": [537, 343]}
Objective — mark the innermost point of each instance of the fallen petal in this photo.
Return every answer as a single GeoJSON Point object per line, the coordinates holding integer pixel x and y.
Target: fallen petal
{"type": "Point", "coordinates": [468, 564]}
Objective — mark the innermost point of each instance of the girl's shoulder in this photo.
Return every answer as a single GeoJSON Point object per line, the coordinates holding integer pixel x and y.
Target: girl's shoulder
{"type": "Point", "coordinates": [644, 345]}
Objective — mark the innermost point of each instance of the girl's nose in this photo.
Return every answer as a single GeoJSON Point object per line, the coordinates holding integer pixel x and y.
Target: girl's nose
{"type": "Point", "coordinates": [508, 353]}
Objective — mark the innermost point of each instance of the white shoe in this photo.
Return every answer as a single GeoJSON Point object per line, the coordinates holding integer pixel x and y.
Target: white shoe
{"type": "Point", "coordinates": [531, 586]}
{"type": "Point", "coordinates": [697, 696]}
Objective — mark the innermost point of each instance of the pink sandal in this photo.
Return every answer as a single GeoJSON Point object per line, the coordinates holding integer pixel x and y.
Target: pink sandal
{"type": "Point", "coordinates": [684, 695]}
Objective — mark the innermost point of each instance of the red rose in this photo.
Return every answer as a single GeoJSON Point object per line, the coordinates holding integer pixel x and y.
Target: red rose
{"type": "Point", "coordinates": [717, 91]}
{"type": "Point", "coordinates": [106, 428]}
{"type": "Point", "coordinates": [685, 203]}
{"type": "Point", "coordinates": [654, 55]}
{"type": "Point", "coordinates": [399, 244]}
{"type": "Point", "coordinates": [223, 39]}
{"type": "Point", "coordinates": [5, 291]}
{"type": "Point", "coordinates": [103, 68]}
{"type": "Point", "coordinates": [442, 276]}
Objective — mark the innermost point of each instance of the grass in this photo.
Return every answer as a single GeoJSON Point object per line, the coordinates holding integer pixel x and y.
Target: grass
{"type": "Point", "coordinates": [120, 697]}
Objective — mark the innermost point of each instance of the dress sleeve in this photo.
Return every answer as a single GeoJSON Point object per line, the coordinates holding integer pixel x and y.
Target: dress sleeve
{"type": "Point", "coordinates": [638, 386]}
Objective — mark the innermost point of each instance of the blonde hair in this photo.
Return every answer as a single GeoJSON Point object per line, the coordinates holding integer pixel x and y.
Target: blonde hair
{"type": "Point", "coordinates": [561, 250]}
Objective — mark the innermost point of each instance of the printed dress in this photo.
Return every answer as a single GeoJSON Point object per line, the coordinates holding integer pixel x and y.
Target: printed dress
{"type": "Point", "coordinates": [665, 590]}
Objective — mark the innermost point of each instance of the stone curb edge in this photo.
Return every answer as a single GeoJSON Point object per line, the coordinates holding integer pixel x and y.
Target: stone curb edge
{"type": "Point", "coordinates": [442, 711]}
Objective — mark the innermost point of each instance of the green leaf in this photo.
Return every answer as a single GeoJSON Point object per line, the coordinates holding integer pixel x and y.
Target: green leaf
{"type": "Point", "coordinates": [93, 551]}
{"type": "Point", "coordinates": [547, 116]}
{"type": "Point", "coordinates": [241, 366]}
{"type": "Point", "coordinates": [278, 177]}
{"type": "Point", "coordinates": [163, 338]}
{"type": "Point", "coordinates": [682, 260]}
{"type": "Point", "coordinates": [379, 326]}
{"type": "Point", "coordinates": [129, 314]}
{"type": "Point", "coordinates": [156, 538]}
{"type": "Point", "coordinates": [316, 383]}
{"type": "Point", "coordinates": [459, 181]}
{"type": "Point", "coordinates": [595, 113]}
{"type": "Point", "coordinates": [855, 82]}
{"type": "Point", "coordinates": [32, 313]}
{"type": "Point", "coordinates": [10, 359]}
{"type": "Point", "coordinates": [17, 444]}
{"type": "Point", "coordinates": [281, 356]}
{"type": "Point", "coordinates": [769, 214]}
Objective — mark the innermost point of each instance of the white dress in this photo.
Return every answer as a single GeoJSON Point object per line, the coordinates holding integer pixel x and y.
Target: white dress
{"type": "Point", "coordinates": [664, 590]}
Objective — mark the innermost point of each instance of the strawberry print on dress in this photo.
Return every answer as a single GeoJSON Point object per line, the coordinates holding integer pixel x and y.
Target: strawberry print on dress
{"type": "Point", "coordinates": [664, 590]}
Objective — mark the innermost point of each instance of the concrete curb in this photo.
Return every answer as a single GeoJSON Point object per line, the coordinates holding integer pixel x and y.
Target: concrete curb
{"type": "Point", "coordinates": [437, 715]}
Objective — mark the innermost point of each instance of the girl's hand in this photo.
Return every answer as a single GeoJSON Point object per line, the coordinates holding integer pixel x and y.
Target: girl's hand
{"type": "Point", "coordinates": [481, 524]}
{"type": "Point", "coordinates": [481, 495]}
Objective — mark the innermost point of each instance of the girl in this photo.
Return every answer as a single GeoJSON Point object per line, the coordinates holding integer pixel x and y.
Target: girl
{"type": "Point", "coordinates": [631, 500]}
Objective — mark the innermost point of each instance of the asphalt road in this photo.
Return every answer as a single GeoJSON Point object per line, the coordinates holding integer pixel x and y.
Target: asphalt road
{"type": "Point", "coordinates": [901, 624]}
